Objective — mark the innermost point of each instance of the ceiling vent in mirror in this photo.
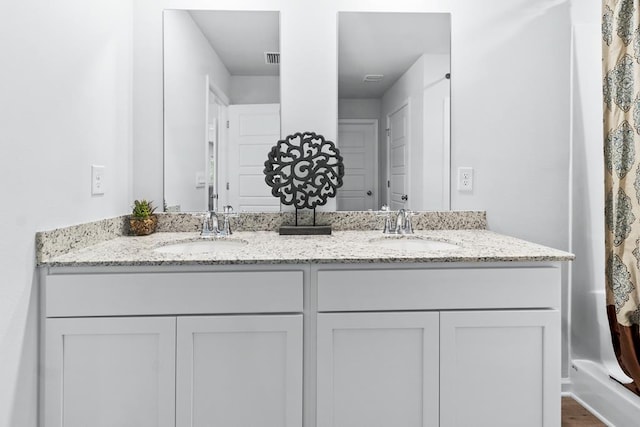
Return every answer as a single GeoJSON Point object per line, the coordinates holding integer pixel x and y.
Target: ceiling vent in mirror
{"type": "Point", "coordinates": [372, 78]}
{"type": "Point", "coordinates": [272, 57]}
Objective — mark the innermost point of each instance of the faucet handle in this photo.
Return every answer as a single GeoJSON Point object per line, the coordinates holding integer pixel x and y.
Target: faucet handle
{"type": "Point", "coordinates": [384, 211]}
{"type": "Point", "coordinates": [408, 224]}
{"type": "Point", "coordinates": [207, 226]}
{"type": "Point", "coordinates": [205, 223]}
{"type": "Point", "coordinates": [388, 227]}
{"type": "Point", "coordinates": [228, 211]}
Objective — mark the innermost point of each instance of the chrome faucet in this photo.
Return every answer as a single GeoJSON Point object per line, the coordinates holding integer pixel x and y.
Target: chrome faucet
{"type": "Point", "coordinates": [403, 223]}
{"type": "Point", "coordinates": [211, 223]}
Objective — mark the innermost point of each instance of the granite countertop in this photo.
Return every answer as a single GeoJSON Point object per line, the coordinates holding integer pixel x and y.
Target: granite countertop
{"type": "Point", "coordinates": [267, 247]}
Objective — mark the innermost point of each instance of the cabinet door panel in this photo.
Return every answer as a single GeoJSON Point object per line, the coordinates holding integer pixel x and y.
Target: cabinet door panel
{"type": "Point", "coordinates": [378, 369]}
{"type": "Point", "coordinates": [239, 371]}
{"type": "Point", "coordinates": [500, 368]}
{"type": "Point", "coordinates": [110, 372]}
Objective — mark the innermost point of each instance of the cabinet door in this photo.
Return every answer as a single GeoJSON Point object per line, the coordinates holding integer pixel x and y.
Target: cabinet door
{"type": "Point", "coordinates": [239, 371]}
{"type": "Point", "coordinates": [377, 369]}
{"type": "Point", "coordinates": [109, 372]}
{"type": "Point", "coordinates": [500, 368]}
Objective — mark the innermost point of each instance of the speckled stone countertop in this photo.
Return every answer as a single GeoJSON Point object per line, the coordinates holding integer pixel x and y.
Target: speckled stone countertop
{"type": "Point", "coordinates": [267, 247]}
{"type": "Point", "coordinates": [52, 243]}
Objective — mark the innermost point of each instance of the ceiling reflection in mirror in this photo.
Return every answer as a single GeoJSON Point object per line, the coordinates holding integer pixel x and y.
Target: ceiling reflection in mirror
{"type": "Point", "coordinates": [221, 108]}
{"type": "Point", "coordinates": [394, 110]}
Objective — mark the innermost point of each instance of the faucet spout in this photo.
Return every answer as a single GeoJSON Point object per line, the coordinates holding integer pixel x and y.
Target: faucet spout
{"type": "Point", "coordinates": [400, 221]}
{"type": "Point", "coordinates": [213, 222]}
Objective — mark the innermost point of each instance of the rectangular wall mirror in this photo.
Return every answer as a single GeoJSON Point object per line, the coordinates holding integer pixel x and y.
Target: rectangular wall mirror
{"type": "Point", "coordinates": [394, 110]}
{"type": "Point", "coordinates": [221, 108]}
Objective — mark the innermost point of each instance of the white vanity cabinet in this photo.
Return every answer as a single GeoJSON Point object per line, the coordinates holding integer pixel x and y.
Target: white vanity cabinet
{"type": "Point", "coordinates": [451, 346]}
{"type": "Point", "coordinates": [175, 348]}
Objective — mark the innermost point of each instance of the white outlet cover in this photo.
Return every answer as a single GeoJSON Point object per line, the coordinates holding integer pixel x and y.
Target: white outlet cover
{"type": "Point", "coordinates": [465, 179]}
{"type": "Point", "coordinates": [97, 180]}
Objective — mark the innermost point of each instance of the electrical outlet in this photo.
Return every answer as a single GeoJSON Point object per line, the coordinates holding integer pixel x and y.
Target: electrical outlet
{"type": "Point", "coordinates": [465, 179]}
{"type": "Point", "coordinates": [97, 180]}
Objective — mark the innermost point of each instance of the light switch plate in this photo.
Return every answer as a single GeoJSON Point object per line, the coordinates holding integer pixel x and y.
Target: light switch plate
{"type": "Point", "coordinates": [97, 180]}
{"type": "Point", "coordinates": [200, 181]}
{"type": "Point", "coordinates": [465, 179]}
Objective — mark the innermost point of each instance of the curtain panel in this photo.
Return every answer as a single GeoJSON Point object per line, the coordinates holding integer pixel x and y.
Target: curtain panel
{"type": "Point", "coordinates": [621, 96]}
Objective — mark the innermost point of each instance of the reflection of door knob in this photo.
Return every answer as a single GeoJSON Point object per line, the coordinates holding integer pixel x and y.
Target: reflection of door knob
{"type": "Point", "coordinates": [404, 197]}
{"type": "Point", "coordinates": [369, 193]}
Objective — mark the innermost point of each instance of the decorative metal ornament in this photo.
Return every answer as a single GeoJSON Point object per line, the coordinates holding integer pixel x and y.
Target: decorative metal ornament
{"type": "Point", "coordinates": [304, 170]}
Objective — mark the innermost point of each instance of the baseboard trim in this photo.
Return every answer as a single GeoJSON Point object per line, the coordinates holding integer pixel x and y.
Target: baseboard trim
{"type": "Point", "coordinates": [606, 399]}
{"type": "Point", "coordinates": [565, 387]}
{"type": "Point", "coordinates": [589, 408]}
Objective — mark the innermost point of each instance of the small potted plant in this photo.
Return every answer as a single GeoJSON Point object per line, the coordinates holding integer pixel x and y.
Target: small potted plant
{"type": "Point", "coordinates": [142, 220]}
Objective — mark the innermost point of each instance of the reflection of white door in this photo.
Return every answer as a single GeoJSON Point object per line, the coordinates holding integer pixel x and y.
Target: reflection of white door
{"type": "Point", "coordinates": [358, 144]}
{"type": "Point", "coordinates": [211, 165]}
{"type": "Point", "coordinates": [215, 144]}
{"type": "Point", "coordinates": [398, 157]}
{"type": "Point", "coordinates": [253, 130]}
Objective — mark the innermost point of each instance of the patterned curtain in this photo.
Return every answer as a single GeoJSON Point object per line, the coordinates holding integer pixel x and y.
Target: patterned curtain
{"type": "Point", "coordinates": [621, 91]}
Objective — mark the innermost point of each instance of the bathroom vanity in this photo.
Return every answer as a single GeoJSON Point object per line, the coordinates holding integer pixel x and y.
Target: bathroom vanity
{"type": "Point", "coordinates": [325, 331]}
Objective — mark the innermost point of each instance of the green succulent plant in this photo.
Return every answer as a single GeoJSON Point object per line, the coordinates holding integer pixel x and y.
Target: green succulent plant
{"type": "Point", "coordinates": [142, 209]}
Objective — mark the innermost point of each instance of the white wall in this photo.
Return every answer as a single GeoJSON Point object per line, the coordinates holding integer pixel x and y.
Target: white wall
{"type": "Point", "coordinates": [254, 90]}
{"type": "Point", "coordinates": [188, 59]}
{"type": "Point", "coordinates": [349, 108]}
{"type": "Point", "coordinates": [66, 103]}
{"type": "Point", "coordinates": [510, 114]}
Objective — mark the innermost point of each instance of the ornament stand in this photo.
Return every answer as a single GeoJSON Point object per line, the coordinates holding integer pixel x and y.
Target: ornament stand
{"type": "Point", "coordinates": [301, 230]}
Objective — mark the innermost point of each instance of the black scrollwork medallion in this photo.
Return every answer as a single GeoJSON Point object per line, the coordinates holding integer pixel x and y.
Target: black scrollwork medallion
{"type": "Point", "coordinates": [304, 170]}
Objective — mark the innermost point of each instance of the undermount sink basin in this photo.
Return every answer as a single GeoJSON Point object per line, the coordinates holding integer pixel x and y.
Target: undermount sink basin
{"type": "Point", "coordinates": [413, 243]}
{"type": "Point", "coordinates": [201, 246]}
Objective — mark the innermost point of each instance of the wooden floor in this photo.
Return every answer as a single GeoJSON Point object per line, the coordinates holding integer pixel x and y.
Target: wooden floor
{"type": "Point", "coordinates": [574, 415]}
